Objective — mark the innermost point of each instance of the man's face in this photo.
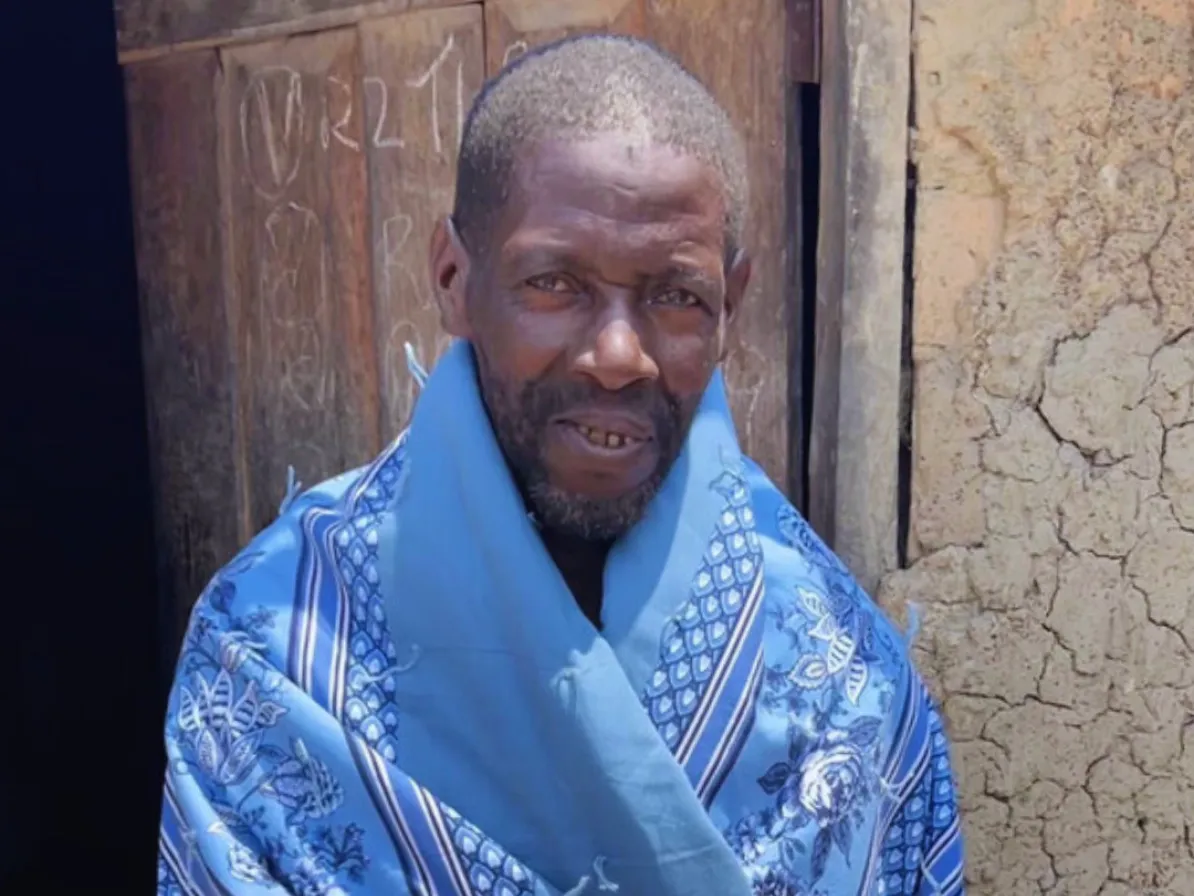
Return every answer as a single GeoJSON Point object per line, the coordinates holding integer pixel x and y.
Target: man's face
{"type": "Point", "coordinates": [597, 311]}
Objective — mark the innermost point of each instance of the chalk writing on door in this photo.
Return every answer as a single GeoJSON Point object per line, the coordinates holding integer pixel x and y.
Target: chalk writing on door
{"type": "Point", "coordinates": [271, 128]}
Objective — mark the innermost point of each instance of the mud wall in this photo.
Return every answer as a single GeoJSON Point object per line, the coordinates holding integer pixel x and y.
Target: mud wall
{"type": "Point", "coordinates": [1052, 524]}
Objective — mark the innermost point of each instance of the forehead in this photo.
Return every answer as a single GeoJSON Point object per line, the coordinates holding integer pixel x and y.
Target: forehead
{"type": "Point", "coordinates": [618, 190]}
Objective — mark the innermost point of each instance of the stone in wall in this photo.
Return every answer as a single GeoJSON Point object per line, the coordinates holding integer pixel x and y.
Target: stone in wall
{"type": "Point", "coordinates": [1052, 527]}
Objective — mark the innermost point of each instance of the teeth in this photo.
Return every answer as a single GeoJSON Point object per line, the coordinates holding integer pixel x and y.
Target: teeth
{"type": "Point", "coordinates": [605, 439]}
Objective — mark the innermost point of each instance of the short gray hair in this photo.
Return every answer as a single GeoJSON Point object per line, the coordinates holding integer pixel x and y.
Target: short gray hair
{"type": "Point", "coordinates": [580, 87]}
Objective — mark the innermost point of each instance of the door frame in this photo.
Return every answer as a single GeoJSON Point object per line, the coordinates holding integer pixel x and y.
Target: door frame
{"type": "Point", "coordinates": [861, 387]}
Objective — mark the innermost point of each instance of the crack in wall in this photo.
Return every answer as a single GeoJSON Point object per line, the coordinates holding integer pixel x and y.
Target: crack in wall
{"type": "Point", "coordinates": [907, 364]}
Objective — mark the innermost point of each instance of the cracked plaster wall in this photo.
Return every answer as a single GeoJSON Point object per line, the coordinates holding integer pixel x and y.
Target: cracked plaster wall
{"type": "Point", "coordinates": [1052, 526]}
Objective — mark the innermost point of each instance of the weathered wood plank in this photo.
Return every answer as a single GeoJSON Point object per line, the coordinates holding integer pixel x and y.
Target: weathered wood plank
{"type": "Point", "coordinates": [422, 72]}
{"type": "Point", "coordinates": [147, 28]}
{"type": "Point", "coordinates": [738, 50]}
{"type": "Point", "coordinates": [514, 26]}
{"type": "Point", "coordinates": [804, 45]}
{"type": "Point", "coordinates": [831, 271]}
{"type": "Point", "coordinates": [293, 127]}
{"type": "Point", "coordinates": [854, 455]}
{"type": "Point", "coordinates": [174, 151]}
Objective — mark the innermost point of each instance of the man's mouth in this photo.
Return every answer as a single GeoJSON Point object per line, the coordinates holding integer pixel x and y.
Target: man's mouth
{"type": "Point", "coordinates": [604, 438]}
{"type": "Point", "coordinates": [601, 452]}
{"type": "Point", "coordinates": [615, 433]}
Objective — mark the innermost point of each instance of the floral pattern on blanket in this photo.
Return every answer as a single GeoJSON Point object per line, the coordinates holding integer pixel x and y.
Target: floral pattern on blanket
{"type": "Point", "coordinates": [223, 726]}
{"type": "Point", "coordinates": [817, 797]}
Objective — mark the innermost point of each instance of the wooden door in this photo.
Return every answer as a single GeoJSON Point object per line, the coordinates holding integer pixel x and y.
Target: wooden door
{"type": "Point", "coordinates": [287, 172]}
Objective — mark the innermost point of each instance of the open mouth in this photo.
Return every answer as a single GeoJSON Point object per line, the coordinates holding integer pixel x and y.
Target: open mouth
{"type": "Point", "coordinates": [606, 434]}
{"type": "Point", "coordinates": [605, 438]}
{"type": "Point", "coordinates": [599, 453]}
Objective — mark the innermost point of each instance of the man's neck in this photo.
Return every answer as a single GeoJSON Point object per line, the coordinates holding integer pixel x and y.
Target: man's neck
{"type": "Point", "coordinates": [582, 564]}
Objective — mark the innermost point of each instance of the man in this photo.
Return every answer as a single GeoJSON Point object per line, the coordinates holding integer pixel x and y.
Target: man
{"type": "Point", "coordinates": [561, 637]}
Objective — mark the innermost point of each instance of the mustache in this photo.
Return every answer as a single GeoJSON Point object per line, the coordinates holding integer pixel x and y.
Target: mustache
{"type": "Point", "coordinates": [541, 401]}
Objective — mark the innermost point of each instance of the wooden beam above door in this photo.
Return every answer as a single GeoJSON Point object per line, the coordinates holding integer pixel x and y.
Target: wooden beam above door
{"type": "Point", "coordinates": [146, 29]}
{"type": "Point", "coordinates": [149, 28]}
{"type": "Point", "coordinates": [514, 26]}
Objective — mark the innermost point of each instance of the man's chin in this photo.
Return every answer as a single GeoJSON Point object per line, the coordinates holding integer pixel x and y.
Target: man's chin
{"type": "Point", "coordinates": [600, 492]}
{"type": "Point", "coordinates": [587, 515]}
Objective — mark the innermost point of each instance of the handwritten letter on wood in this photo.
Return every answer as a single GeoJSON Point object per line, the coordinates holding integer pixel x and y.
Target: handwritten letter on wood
{"type": "Point", "coordinates": [307, 378]}
{"type": "Point", "coordinates": [422, 72]}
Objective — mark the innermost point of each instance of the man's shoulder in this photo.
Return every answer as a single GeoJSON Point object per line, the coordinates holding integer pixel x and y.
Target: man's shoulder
{"type": "Point", "coordinates": [807, 580]}
{"type": "Point", "coordinates": [251, 602]}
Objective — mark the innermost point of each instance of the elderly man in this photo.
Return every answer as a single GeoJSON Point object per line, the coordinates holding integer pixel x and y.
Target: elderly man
{"type": "Point", "coordinates": [561, 637]}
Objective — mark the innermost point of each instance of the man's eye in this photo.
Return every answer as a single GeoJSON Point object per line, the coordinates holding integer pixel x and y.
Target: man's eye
{"type": "Point", "coordinates": [677, 298]}
{"type": "Point", "coordinates": [550, 283]}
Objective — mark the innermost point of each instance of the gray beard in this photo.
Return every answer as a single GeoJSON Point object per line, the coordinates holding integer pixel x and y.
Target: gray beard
{"type": "Point", "coordinates": [591, 519]}
{"type": "Point", "coordinates": [518, 424]}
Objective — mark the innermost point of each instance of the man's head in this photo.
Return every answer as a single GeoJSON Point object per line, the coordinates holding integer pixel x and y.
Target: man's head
{"type": "Point", "coordinates": [594, 260]}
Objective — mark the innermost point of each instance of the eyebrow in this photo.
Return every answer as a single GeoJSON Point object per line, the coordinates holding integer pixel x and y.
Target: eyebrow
{"type": "Point", "coordinates": [692, 276]}
{"type": "Point", "coordinates": [542, 259]}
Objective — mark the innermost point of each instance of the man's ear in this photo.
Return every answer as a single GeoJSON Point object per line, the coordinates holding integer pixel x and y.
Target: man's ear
{"type": "Point", "coordinates": [737, 282]}
{"type": "Point", "coordinates": [450, 265]}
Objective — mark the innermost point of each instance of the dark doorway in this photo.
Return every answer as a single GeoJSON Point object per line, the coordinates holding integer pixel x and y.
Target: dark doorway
{"type": "Point", "coordinates": [84, 676]}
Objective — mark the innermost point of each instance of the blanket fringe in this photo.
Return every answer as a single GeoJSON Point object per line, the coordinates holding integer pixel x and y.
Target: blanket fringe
{"type": "Point", "coordinates": [293, 487]}
{"type": "Point", "coordinates": [414, 366]}
{"type": "Point", "coordinates": [914, 615]}
{"type": "Point", "coordinates": [604, 884]}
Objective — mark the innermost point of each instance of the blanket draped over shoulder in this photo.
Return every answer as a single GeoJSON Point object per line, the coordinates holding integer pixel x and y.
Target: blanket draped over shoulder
{"type": "Point", "coordinates": [391, 691]}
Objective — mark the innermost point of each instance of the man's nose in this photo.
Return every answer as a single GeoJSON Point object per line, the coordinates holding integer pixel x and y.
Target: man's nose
{"type": "Point", "coordinates": [616, 357]}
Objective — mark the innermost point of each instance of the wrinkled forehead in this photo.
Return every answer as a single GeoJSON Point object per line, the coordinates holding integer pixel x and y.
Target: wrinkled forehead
{"type": "Point", "coordinates": [619, 187]}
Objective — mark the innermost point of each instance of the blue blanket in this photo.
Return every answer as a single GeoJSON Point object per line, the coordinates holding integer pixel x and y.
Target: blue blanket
{"type": "Point", "coordinates": [391, 691]}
